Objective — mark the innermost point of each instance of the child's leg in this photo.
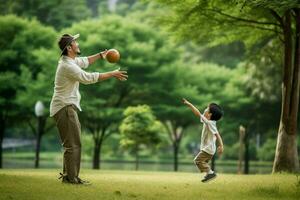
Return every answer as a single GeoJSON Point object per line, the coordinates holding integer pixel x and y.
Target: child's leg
{"type": "Point", "coordinates": [201, 161]}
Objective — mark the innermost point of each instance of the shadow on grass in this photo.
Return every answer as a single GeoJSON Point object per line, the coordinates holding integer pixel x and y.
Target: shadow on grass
{"type": "Point", "coordinates": [274, 191]}
{"type": "Point", "coordinates": [297, 185]}
{"type": "Point", "coordinates": [268, 191]}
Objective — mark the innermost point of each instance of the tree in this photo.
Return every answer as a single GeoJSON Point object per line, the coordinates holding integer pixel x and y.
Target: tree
{"type": "Point", "coordinates": [7, 104]}
{"type": "Point", "coordinates": [37, 90]}
{"type": "Point", "coordinates": [19, 39]}
{"type": "Point", "coordinates": [169, 86]}
{"type": "Point", "coordinates": [172, 82]}
{"type": "Point", "coordinates": [57, 13]}
{"type": "Point", "coordinates": [139, 127]}
{"type": "Point", "coordinates": [158, 80]}
{"type": "Point", "coordinates": [257, 23]}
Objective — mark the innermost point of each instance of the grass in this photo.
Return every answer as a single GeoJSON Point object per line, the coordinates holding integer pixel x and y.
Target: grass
{"type": "Point", "coordinates": [43, 184]}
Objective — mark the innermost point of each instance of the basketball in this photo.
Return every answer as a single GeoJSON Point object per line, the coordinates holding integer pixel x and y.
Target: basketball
{"type": "Point", "coordinates": [112, 56]}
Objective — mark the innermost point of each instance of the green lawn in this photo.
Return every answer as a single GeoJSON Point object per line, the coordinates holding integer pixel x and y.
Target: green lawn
{"type": "Point", "coordinates": [43, 185]}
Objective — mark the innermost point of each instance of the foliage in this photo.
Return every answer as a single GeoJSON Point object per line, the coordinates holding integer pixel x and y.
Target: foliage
{"type": "Point", "coordinates": [57, 13]}
{"type": "Point", "coordinates": [20, 39]}
{"type": "Point", "coordinates": [161, 69]}
{"type": "Point", "coordinates": [267, 151]}
{"type": "Point", "coordinates": [139, 127]}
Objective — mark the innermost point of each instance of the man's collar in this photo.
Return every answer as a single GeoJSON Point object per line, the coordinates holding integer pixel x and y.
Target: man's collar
{"type": "Point", "coordinates": [68, 58]}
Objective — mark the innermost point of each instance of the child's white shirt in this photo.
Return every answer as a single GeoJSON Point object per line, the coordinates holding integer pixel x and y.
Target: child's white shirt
{"type": "Point", "coordinates": [208, 138]}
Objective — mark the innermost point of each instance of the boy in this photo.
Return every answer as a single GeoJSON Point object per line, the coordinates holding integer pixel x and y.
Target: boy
{"type": "Point", "coordinates": [208, 138]}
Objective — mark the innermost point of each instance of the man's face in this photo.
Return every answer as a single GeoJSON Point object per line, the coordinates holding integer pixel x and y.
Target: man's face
{"type": "Point", "coordinates": [75, 47]}
{"type": "Point", "coordinates": [207, 114]}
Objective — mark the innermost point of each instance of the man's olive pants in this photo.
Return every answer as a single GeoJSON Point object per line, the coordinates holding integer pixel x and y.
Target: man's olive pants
{"type": "Point", "coordinates": [69, 127]}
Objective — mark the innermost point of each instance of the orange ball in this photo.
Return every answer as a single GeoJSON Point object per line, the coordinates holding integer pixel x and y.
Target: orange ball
{"type": "Point", "coordinates": [112, 56]}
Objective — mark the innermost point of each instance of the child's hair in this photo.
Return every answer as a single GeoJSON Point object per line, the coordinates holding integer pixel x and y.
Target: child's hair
{"type": "Point", "coordinates": [216, 111]}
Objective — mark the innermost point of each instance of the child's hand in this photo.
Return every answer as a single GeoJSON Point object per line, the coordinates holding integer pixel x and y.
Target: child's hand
{"type": "Point", "coordinates": [220, 150]}
{"type": "Point", "coordinates": [184, 101]}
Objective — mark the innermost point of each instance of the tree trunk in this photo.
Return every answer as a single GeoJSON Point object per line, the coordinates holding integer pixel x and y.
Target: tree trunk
{"type": "Point", "coordinates": [175, 150]}
{"type": "Point", "coordinates": [242, 132]}
{"type": "Point", "coordinates": [246, 156]}
{"type": "Point", "coordinates": [175, 133]}
{"type": "Point", "coordinates": [2, 130]}
{"type": "Point", "coordinates": [213, 163]}
{"type": "Point", "coordinates": [98, 140]}
{"type": "Point", "coordinates": [286, 156]}
{"type": "Point", "coordinates": [136, 158]}
{"type": "Point", "coordinates": [296, 76]}
{"type": "Point", "coordinates": [97, 155]}
{"type": "Point", "coordinates": [40, 132]}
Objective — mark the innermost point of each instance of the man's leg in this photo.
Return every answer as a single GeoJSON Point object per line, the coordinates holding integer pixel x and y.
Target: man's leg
{"type": "Point", "coordinates": [69, 130]}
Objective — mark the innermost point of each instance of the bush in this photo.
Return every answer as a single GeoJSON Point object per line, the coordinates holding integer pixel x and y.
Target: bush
{"type": "Point", "coordinates": [267, 151]}
{"type": "Point", "coordinates": [232, 152]}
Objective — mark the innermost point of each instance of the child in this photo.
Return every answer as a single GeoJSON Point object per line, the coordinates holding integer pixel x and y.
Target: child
{"type": "Point", "coordinates": [208, 138]}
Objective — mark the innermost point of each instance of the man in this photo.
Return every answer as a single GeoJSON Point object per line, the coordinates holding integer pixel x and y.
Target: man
{"type": "Point", "coordinates": [66, 101]}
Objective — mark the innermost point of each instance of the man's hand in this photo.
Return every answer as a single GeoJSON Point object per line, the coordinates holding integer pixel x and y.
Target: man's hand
{"type": "Point", "coordinates": [103, 54]}
{"type": "Point", "coordinates": [120, 75]}
{"type": "Point", "coordinates": [100, 55]}
{"type": "Point", "coordinates": [220, 149]}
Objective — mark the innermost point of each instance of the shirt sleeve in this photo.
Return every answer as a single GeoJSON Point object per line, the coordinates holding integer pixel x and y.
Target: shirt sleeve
{"type": "Point", "coordinates": [210, 124]}
{"type": "Point", "coordinates": [82, 62]}
{"type": "Point", "coordinates": [203, 119]}
{"type": "Point", "coordinates": [76, 73]}
{"type": "Point", "coordinates": [212, 127]}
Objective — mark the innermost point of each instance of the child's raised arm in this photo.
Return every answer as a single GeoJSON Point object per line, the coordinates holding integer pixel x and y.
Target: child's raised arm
{"type": "Point", "coordinates": [193, 108]}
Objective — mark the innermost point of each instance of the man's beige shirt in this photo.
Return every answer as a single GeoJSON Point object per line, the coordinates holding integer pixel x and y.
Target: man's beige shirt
{"type": "Point", "coordinates": [69, 74]}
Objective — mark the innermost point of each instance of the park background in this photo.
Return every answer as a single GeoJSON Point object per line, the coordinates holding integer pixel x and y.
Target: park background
{"type": "Point", "coordinates": [239, 54]}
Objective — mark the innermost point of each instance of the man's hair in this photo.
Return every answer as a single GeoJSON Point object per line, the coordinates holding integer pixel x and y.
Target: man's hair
{"type": "Point", "coordinates": [64, 41]}
{"type": "Point", "coordinates": [65, 52]}
{"type": "Point", "coordinates": [216, 111]}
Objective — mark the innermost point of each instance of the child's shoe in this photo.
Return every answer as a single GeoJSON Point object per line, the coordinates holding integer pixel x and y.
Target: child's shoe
{"type": "Point", "coordinates": [209, 177]}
